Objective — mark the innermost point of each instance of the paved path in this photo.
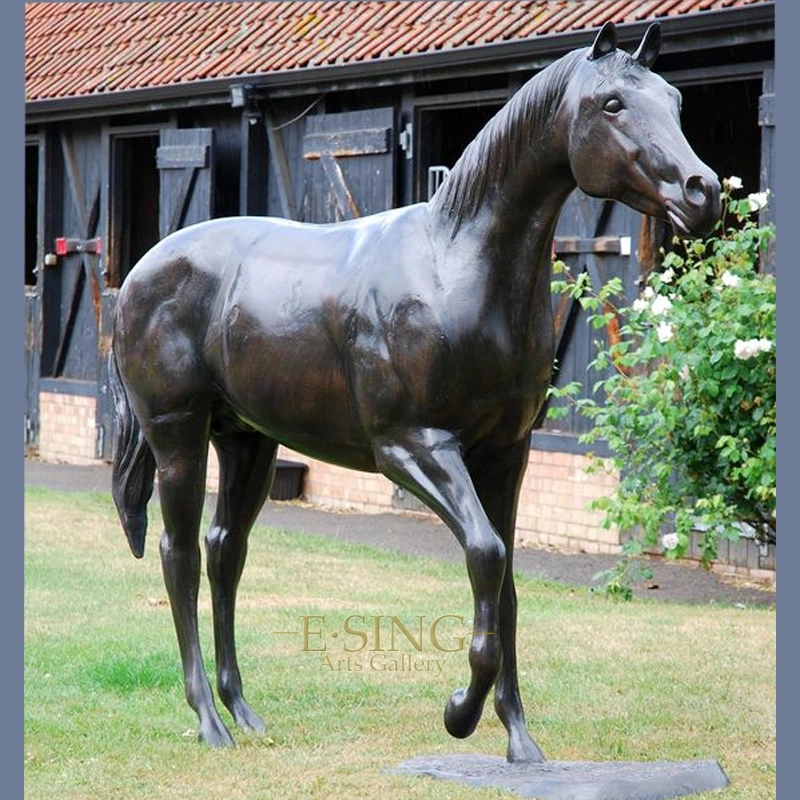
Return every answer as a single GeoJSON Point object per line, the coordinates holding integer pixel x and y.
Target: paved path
{"type": "Point", "coordinates": [412, 535]}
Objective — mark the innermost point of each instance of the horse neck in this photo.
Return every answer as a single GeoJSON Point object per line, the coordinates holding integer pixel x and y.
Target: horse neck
{"type": "Point", "coordinates": [499, 207]}
{"type": "Point", "coordinates": [506, 243]}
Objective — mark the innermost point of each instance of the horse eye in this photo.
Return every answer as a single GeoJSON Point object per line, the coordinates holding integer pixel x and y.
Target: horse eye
{"type": "Point", "coordinates": [613, 105]}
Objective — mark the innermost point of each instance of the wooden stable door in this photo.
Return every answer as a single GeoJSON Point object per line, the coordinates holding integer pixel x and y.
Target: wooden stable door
{"type": "Point", "coordinates": [186, 168]}
{"type": "Point", "coordinates": [600, 237]}
{"type": "Point", "coordinates": [184, 159]}
{"type": "Point", "coordinates": [349, 165]}
{"type": "Point", "coordinates": [74, 279]}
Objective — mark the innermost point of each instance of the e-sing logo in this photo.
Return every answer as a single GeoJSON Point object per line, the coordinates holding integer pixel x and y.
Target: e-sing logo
{"type": "Point", "coordinates": [371, 642]}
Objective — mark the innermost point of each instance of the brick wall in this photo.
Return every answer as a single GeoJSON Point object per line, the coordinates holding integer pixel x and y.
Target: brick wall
{"type": "Point", "coordinates": [330, 487]}
{"type": "Point", "coordinates": [344, 489]}
{"type": "Point", "coordinates": [67, 428]}
{"type": "Point", "coordinates": [552, 508]}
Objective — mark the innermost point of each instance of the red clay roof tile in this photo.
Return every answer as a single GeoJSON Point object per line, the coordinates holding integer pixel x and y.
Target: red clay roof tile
{"type": "Point", "coordinates": [74, 49]}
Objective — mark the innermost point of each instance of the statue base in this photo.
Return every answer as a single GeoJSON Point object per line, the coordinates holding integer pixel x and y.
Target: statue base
{"type": "Point", "coordinates": [575, 780]}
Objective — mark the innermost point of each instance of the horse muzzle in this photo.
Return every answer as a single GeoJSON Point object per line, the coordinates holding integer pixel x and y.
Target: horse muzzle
{"type": "Point", "coordinates": [695, 208]}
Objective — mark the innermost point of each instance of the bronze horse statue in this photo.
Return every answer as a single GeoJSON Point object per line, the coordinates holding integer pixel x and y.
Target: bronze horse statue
{"type": "Point", "coordinates": [417, 342]}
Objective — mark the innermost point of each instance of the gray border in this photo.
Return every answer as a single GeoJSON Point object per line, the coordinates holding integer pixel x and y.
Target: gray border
{"type": "Point", "coordinates": [786, 194]}
{"type": "Point", "coordinates": [12, 322]}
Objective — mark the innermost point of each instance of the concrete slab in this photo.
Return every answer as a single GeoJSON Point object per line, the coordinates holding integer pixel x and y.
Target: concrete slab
{"type": "Point", "coordinates": [574, 780]}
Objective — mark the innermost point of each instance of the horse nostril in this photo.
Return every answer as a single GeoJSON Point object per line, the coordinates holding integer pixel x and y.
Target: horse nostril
{"type": "Point", "coordinates": [697, 190]}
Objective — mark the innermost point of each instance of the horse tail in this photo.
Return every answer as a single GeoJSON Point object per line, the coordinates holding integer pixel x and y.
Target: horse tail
{"type": "Point", "coordinates": [134, 466]}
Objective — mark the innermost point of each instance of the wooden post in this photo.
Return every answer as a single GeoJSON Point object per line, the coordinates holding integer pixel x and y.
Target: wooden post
{"type": "Point", "coordinates": [283, 176]}
{"type": "Point", "coordinates": [253, 171]}
{"type": "Point", "coordinates": [766, 119]}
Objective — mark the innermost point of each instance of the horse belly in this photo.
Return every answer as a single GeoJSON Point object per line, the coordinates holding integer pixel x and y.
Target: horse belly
{"type": "Point", "coordinates": [290, 383]}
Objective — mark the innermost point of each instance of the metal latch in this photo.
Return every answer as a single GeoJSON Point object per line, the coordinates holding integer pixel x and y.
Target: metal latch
{"type": "Point", "coordinates": [406, 140]}
{"type": "Point", "coordinates": [65, 246]}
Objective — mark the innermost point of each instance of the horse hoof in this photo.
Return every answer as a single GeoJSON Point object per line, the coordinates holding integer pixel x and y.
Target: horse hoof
{"type": "Point", "coordinates": [523, 750]}
{"type": "Point", "coordinates": [248, 720]}
{"type": "Point", "coordinates": [216, 736]}
{"type": "Point", "coordinates": [460, 719]}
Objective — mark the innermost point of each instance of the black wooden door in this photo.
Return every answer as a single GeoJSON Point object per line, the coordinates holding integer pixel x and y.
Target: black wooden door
{"type": "Point", "coordinates": [73, 285]}
{"type": "Point", "coordinates": [185, 164]}
{"type": "Point", "coordinates": [32, 334]}
{"type": "Point", "coordinates": [34, 259]}
{"type": "Point", "coordinates": [185, 161]}
{"type": "Point", "coordinates": [599, 237]}
{"type": "Point", "coordinates": [349, 165]}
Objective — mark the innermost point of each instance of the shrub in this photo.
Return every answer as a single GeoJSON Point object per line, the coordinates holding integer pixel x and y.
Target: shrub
{"type": "Point", "coordinates": [689, 414]}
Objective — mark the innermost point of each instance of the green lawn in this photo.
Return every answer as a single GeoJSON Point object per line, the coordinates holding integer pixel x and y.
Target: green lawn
{"type": "Point", "coordinates": [105, 715]}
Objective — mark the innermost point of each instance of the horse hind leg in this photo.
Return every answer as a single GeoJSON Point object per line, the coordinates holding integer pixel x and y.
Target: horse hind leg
{"type": "Point", "coordinates": [179, 442]}
{"type": "Point", "coordinates": [247, 467]}
{"type": "Point", "coordinates": [497, 477]}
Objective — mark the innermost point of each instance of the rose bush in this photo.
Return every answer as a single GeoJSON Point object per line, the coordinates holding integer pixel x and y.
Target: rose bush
{"type": "Point", "coordinates": [689, 408]}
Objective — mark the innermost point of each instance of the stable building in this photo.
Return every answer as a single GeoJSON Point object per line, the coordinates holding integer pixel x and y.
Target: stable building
{"type": "Point", "coordinates": [142, 118]}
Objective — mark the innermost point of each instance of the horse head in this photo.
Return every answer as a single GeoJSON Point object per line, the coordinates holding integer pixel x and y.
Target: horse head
{"type": "Point", "coordinates": [625, 140]}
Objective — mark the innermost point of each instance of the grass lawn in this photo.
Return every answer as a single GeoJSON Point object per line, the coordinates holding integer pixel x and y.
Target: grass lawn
{"type": "Point", "coordinates": [105, 715]}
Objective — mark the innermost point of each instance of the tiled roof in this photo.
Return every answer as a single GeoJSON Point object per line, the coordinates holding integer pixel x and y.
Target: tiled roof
{"type": "Point", "coordinates": [82, 49]}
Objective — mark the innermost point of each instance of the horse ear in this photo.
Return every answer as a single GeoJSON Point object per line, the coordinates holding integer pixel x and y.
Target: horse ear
{"type": "Point", "coordinates": [605, 42]}
{"type": "Point", "coordinates": [647, 52]}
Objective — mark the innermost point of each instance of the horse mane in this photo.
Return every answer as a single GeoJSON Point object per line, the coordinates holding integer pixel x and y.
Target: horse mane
{"type": "Point", "coordinates": [501, 143]}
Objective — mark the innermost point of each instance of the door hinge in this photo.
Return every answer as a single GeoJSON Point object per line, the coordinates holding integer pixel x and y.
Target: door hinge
{"type": "Point", "coordinates": [609, 245]}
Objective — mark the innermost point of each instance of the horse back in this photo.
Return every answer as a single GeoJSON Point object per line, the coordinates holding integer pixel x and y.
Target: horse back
{"type": "Point", "coordinates": [267, 318]}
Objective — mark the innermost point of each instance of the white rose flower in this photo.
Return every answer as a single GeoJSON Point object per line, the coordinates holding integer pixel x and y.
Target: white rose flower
{"type": "Point", "coordinates": [648, 293]}
{"type": "Point", "coordinates": [667, 275]}
{"type": "Point", "coordinates": [661, 305]}
{"type": "Point", "coordinates": [664, 332]}
{"type": "Point", "coordinates": [640, 304]}
{"type": "Point", "coordinates": [729, 279]}
{"type": "Point", "coordinates": [669, 541]}
{"type": "Point", "coordinates": [743, 349]}
{"type": "Point", "coordinates": [734, 182]}
{"type": "Point", "coordinates": [749, 348]}
{"type": "Point", "coordinates": [758, 200]}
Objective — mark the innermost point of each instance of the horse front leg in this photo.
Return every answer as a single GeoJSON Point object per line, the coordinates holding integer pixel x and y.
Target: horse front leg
{"type": "Point", "coordinates": [247, 466]}
{"type": "Point", "coordinates": [429, 464]}
{"type": "Point", "coordinates": [497, 476]}
{"type": "Point", "coordinates": [180, 445]}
